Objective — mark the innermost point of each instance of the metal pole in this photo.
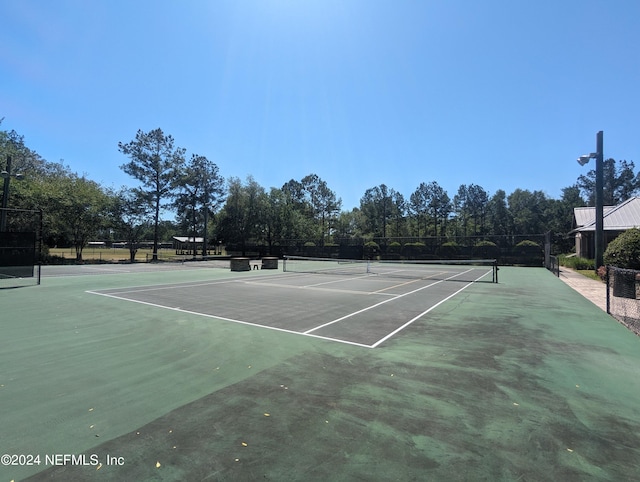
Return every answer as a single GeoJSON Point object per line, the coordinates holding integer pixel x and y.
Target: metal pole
{"type": "Point", "coordinates": [5, 196]}
{"type": "Point", "coordinates": [39, 254]}
{"type": "Point", "coordinates": [205, 253]}
{"type": "Point", "coordinates": [608, 279]}
{"type": "Point", "coordinates": [599, 248]}
{"type": "Point", "coordinates": [205, 205]}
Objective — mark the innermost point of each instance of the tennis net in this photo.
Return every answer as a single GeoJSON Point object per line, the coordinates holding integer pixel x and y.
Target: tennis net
{"type": "Point", "coordinates": [468, 270]}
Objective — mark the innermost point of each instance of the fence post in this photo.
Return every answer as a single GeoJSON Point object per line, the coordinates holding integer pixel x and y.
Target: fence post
{"type": "Point", "coordinates": [608, 300]}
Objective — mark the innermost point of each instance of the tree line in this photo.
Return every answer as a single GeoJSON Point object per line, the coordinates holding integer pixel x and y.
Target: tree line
{"type": "Point", "coordinates": [242, 212]}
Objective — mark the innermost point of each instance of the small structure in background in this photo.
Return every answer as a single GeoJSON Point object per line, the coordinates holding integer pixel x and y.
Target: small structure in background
{"type": "Point", "coordinates": [616, 220]}
{"type": "Point", "coordinates": [188, 244]}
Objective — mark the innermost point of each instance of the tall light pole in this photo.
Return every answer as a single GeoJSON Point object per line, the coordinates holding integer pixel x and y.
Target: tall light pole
{"type": "Point", "coordinates": [6, 175]}
{"type": "Point", "coordinates": [599, 157]}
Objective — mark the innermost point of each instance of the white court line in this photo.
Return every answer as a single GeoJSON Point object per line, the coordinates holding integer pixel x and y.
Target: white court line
{"type": "Point", "coordinates": [380, 291]}
{"type": "Point", "coordinates": [248, 323]}
{"type": "Point", "coordinates": [184, 284]}
{"type": "Point", "coordinates": [138, 268]}
{"type": "Point", "coordinates": [383, 302]}
{"type": "Point", "coordinates": [398, 330]}
{"type": "Point", "coordinates": [51, 273]}
{"type": "Point", "coordinates": [142, 289]}
{"type": "Point", "coordinates": [115, 270]}
{"type": "Point", "coordinates": [339, 280]}
{"type": "Point", "coordinates": [382, 272]}
{"type": "Point", "coordinates": [315, 288]}
{"type": "Point", "coordinates": [308, 333]}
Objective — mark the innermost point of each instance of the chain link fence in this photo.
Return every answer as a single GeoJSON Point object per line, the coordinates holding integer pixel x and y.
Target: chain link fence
{"type": "Point", "coordinates": [623, 296]}
{"type": "Point", "coordinates": [523, 250]}
{"type": "Point", "coordinates": [20, 247]}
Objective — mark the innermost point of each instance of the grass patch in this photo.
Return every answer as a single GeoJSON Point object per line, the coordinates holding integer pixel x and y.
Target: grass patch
{"type": "Point", "coordinates": [589, 273]}
{"type": "Point", "coordinates": [108, 255]}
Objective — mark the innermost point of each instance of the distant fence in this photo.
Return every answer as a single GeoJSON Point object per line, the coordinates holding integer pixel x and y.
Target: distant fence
{"type": "Point", "coordinates": [20, 247]}
{"type": "Point", "coordinates": [552, 263]}
{"type": "Point", "coordinates": [623, 296]}
{"type": "Point", "coordinates": [526, 250]}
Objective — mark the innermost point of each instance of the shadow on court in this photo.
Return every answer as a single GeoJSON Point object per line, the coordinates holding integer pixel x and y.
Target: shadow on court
{"type": "Point", "coordinates": [523, 380]}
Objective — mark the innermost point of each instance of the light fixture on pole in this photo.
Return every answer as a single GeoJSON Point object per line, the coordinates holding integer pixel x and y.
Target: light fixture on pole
{"type": "Point", "coordinates": [582, 160]}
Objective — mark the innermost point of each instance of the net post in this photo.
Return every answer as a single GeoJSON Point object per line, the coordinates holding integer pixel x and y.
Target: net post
{"type": "Point", "coordinates": [495, 270]}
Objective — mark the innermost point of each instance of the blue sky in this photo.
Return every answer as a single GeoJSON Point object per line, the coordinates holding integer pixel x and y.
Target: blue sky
{"type": "Point", "coordinates": [504, 94]}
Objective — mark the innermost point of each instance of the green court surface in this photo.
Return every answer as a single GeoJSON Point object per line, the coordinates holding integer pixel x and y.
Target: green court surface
{"type": "Point", "coordinates": [520, 380]}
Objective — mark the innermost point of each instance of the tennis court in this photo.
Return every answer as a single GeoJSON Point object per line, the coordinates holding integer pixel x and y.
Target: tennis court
{"type": "Point", "coordinates": [180, 372]}
{"type": "Point", "coordinates": [349, 302]}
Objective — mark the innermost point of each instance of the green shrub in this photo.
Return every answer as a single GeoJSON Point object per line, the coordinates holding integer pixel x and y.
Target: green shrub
{"type": "Point", "coordinates": [577, 263]}
{"type": "Point", "coordinates": [486, 249]}
{"type": "Point", "coordinates": [415, 245]}
{"type": "Point", "coordinates": [527, 244]}
{"type": "Point", "coordinates": [449, 249]}
{"type": "Point", "coordinates": [394, 247]}
{"type": "Point", "coordinates": [486, 244]}
{"type": "Point", "coordinates": [624, 251]}
{"type": "Point", "coordinates": [309, 244]}
{"type": "Point", "coordinates": [414, 250]}
{"type": "Point", "coordinates": [371, 248]}
{"type": "Point", "coordinates": [528, 250]}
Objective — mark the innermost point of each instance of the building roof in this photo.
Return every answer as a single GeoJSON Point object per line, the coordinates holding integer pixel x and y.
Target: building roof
{"type": "Point", "coordinates": [625, 215]}
{"type": "Point", "coordinates": [188, 239]}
